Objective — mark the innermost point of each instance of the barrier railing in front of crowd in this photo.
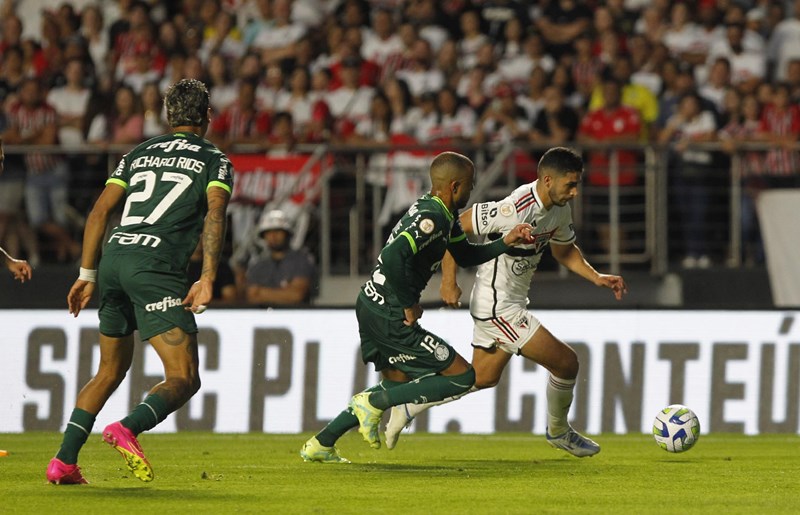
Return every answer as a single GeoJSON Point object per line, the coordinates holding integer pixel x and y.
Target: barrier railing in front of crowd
{"type": "Point", "coordinates": [629, 212]}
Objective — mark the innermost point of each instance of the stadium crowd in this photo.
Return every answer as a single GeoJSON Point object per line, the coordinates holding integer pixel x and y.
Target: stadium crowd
{"type": "Point", "coordinates": [282, 72]}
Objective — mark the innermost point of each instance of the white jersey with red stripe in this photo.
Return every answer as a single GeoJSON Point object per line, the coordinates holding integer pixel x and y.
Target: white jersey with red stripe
{"type": "Point", "coordinates": [501, 285]}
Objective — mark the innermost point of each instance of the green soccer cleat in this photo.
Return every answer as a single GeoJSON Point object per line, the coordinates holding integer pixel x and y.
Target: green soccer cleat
{"type": "Point", "coordinates": [399, 419]}
{"type": "Point", "coordinates": [315, 451]}
{"type": "Point", "coordinates": [369, 418]}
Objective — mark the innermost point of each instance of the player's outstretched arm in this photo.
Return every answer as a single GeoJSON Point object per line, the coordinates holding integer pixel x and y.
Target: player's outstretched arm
{"type": "Point", "coordinates": [81, 291]}
{"type": "Point", "coordinates": [449, 289]}
{"type": "Point", "coordinates": [213, 236]}
{"type": "Point", "coordinates": [19, 268]}
{"type": "Point", "coordinates": [571, 257]}
{"type": "Point", "coordinates": [468, 254]}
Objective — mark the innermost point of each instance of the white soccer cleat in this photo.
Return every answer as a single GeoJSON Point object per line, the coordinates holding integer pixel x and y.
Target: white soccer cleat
{"type": "Point", "coordinates": [399, 419]}
{"type": "Point", "coordinates": [574, 443]}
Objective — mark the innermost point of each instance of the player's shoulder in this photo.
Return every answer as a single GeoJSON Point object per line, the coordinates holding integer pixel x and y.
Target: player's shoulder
{"type": "Point", "coordinates": [429, 206]}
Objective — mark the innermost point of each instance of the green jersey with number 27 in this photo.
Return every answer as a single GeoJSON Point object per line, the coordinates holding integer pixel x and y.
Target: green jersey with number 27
{"type": "Point", "coordinates": [166, 179]}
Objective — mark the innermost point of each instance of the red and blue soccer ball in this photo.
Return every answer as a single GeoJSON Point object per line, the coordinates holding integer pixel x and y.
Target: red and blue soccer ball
{"type": "Point", "coordinates": [676, 428]}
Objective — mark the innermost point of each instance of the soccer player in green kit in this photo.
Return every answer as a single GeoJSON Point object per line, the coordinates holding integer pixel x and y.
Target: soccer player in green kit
{"type": "Point", "coordinates": [175, 190]}
{"type": "Point", "coordinates": [416, 365]}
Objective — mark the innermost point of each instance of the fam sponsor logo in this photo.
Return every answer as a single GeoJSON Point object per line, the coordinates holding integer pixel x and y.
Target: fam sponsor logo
{"type": "Point", "coordinates": [163, 304]}
{"type": "Point", "coordinates": [127, 238]}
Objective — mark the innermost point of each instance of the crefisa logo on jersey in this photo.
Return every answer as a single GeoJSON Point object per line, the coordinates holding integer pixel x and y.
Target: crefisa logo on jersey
{"type": "Point", "coordinates": [163, 304]}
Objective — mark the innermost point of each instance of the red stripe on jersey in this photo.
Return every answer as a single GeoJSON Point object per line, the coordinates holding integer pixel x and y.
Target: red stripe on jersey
{"type": "Point", "coordinates": [525, 201]}
{"type": "Point", "coordinates": [506, 328]}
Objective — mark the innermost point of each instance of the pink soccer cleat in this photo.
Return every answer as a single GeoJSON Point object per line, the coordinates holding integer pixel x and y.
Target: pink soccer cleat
{"type": "Point", "coordinates": [122, 439]}
{"type": "Point", "coordinates": [60, 473]}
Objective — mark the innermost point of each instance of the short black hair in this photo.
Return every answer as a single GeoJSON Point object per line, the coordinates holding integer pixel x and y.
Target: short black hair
{"type": "Point", "coordinates": [561, 160]}
{"type": "Point", "coordinates": [187, 103]}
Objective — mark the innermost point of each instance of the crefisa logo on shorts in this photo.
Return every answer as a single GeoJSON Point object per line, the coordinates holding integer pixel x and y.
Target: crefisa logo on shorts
{"type": "Point", "coordinates": [163, 304]}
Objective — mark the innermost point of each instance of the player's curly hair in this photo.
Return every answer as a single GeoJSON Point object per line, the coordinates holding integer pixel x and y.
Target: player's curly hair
{"type": "Point", "coordinates": [187, 103]}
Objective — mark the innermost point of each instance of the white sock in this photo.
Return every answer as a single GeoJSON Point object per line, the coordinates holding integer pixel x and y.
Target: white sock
{"type": "Point", "coordinates": [416, 409]}
{"type": "Point", "coordinates": [559, 399]}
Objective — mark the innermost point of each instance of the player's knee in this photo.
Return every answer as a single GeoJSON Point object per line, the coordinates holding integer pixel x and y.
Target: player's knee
{"type": "Point", "coordinates": [569, 365]}
{"type": "Point", "coordinates": [483, 381]}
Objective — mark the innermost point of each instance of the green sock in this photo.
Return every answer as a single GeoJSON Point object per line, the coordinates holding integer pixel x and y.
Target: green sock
{"type": "Point", "coordinates": [345, 421]}
{"type": "Point", "coordinates": [426, 389]}
{"type": "Point", "coordinates": [78, 429]}
{"type": "Point", "coordinates": [146, 415]}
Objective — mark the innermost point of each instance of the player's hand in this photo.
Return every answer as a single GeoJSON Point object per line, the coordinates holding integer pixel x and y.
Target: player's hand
{"type": "Point", "coordinates": [199, 296]}
{"type": "Point", "coordinates": [613, 282]}
{"type": "Point", "coordinates": [519, 235]}
{"type": "Point", "coordinates": [20, 269]}
{"type": "Point", "coordinates": [79, 295]}
{"type": "Point", "coordinates": [451, 293]}
{"type": "Point", "coordinates": [413, 314]}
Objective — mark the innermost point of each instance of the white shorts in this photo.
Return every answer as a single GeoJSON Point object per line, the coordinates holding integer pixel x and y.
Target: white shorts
{"type": "Point", "coordinates": [509, 331]}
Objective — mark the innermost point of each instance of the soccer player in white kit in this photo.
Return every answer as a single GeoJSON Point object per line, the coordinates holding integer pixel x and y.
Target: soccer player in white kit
{"type": "Point", "coordinates": [498, 303]}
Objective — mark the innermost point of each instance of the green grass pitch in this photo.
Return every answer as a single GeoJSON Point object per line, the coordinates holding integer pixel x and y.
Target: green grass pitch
{"type": "Point", "coordinates": [202, 473]}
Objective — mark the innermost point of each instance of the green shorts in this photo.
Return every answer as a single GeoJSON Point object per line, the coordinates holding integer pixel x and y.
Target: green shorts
{"type": "Point", "coordinates": [389, 343]}
{"type": "Point", "coordinates": [144, 293]}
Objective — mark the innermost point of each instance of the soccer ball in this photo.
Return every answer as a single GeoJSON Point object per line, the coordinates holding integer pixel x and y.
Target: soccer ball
{"type": "Point", "coordinates": [676, 428]}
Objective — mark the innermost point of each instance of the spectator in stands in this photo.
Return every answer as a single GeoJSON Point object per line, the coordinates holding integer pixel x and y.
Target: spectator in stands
{"type": "Point", "coordinates": [503, 121]}
{"type": "Point", "coordinates": [420, 75]}
{"type": "Point", "coordinates": [155, 121]}
{"type": "Point", "coordinates": [454, 122]}
{"type": "Point", "coordinates": [33, 122]}
{"type": "Point", "coordinates": [143, 71]}
{"type": "Point", "coordinates": [745, 126]}
{"type": "Point", "coordinates": [276, 43]}
{"type": "Point", "coordinates": [351, 101]}
{"type": "Point", "coordinates": [400, 101]}
{"type": "Point", "coordinates": [692, 171]}
{"type": "Point", "coordinates": [96, 37]}
{"type": "Point", "coordinates": [259, 23]}
{"type": "Point", "coordinates": [611, 123]}
{"type": "Point", "coordinates": [270, 88]}
{"type": "Point", "coordinates": [378, 127]}
{"type": "Point", "coordinates": [533, 101]}
{"type": "Point", "coordinates": [297, 100]}
{"type": "Point", "coordinates": [11, 35]}
{"type": "Point", "coordinates": [719, 81]}
{"type": "Point", "coordinates": [382, 44]}
{"type": "Point", "coordinates": [652, 24]}
{"type": "Point", "coordinates": [429, 21]}
{"type": "Point", "coordinates": [512, 41]}
{"type": "Point", "coordinates": [282, 138]}
{"type": "Point", "coordinates": [633, 95]}
{"type": "Point", "coordinates": [683, 38]}
{"type": "Point", "coordinates": [784, 43]}
{"type": "Point", "coordinates": [12, 74]}
{"type": "Point", "coordinates": [137, 37]}
{"type": "Point", "coordinates": [472, 38]}
{"type": "Point", "coordinates": [222, 37]}
{"type": "Point", "coordinates": [124, 125]}
{"type": "Point", "coordinates": [585, 66]}
{"type": "Point", "coordinates": [561, 22]}
{"type": "Point", "coordinates": [556, 124]}
{"type": "Point", "coordinates": [222, 89]}
{"type": "Point", "coordinates": [242, 122]}
{"type": "Point", "coordinates": [281, 276]}
{"type": "Point", "coordinates": [748, 67]}
{"type": "Point", "coordinates": [780, 121]}
{"type": "Point", "coordinates": [517, 69]}
{"type": "Point", "coordinates": [472, 89]}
